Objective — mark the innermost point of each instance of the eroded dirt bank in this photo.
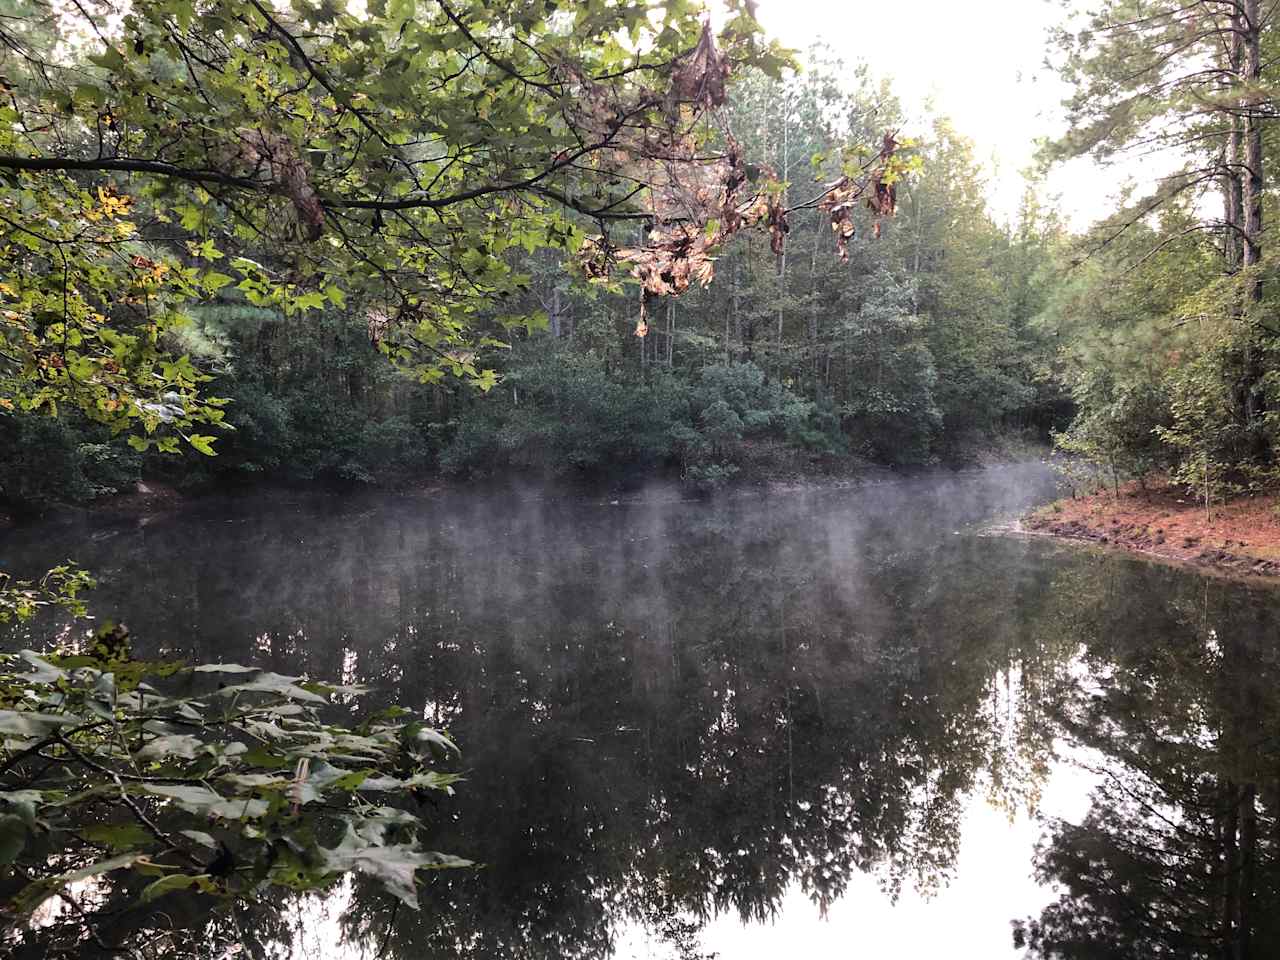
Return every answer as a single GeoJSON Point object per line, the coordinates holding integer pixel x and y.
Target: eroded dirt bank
{"type": "Point", "coordinates": [1241, 537]}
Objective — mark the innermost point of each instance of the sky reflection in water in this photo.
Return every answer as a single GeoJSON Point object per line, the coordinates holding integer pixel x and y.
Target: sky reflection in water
{"type": "Point", "coordinates": [689, 725]}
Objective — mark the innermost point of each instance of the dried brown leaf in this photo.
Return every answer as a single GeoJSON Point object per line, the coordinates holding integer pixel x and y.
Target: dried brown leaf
{"type": "Point", "coordinates": [278, 158]}
{"type": "Point", "coordinates": [702, 77]}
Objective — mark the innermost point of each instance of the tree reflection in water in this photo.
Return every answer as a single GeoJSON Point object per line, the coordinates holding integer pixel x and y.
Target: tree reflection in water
{"type": "Point", "coordinates": [670, 711]}
{"type": "Point", "coordinates": [1177, 855]}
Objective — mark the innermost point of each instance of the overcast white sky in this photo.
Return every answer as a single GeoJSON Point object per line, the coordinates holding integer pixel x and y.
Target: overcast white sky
{"type": "Point", "coordinates": [979, 61]}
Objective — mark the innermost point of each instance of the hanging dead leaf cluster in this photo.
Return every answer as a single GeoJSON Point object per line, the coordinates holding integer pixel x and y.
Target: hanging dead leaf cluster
{"type": "Point", "coordinates": [841, 198]}
{"type": "Point", "coordinates": [378, 319]}
{"type": "Point", "coordinates": [698, 202]}
{"type": "Point", "coordinates": [275, 159]}
{"type": "Point", "coordinates": [702, 78]}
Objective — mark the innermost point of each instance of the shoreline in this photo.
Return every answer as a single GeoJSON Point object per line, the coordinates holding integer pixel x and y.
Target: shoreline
{"type": "Point", "coordinates": [153, 500]}
{"type": "Point", "coordinates": [154, 497]}
{"type": "Point", "coordinates": [1240, 541]}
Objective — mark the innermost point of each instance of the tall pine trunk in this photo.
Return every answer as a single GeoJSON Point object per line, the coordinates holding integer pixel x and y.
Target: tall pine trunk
{"type": "Point", "coordinates": [1233, 167]}
{"type": "Point", "coordinates": [782, 256]}
{"type": "Point", "coordinates": [1253, 158]}
{"type": "Point", "coordinates": [1250, 34]}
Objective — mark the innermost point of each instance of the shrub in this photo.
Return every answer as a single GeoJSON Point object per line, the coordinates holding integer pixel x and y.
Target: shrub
{"type": "Point", "coordinates": [109, 467]}
{"type": "Point", "coordinates": [41, 462]}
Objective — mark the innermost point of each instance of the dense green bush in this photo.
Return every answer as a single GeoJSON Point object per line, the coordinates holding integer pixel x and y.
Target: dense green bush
{"type": "Point", "coordinates": [40, 461]}
{"type": "Point", "coordinates": [891, 409]}
{"type": "Point", "coordinates": [302, 437]}
{"type": "Point", "coordinates": [109, 467]}
{"type": "Point", "coordinates": [1118, 424]}
{"type": "Point", "coordinates": [299, 415]}
{"type": "Point", "coordinates": [44, 461]}
{"type": "Point", "coordinates": [735, 414]}
{"type": "Point", "coordinates": [310, 400]}
{"type": "Point", "coordinates": [560, 411]}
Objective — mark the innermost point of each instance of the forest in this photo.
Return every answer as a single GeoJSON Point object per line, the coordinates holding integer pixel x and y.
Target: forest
{"type": "Point", "coordinates": [921, 347]}
{"type": "Point", "coordinates": [401, 254]}
{"type": "Point", "coordinates": [937, 335]}
{"type": "Point", "coordinates": [924, 343]}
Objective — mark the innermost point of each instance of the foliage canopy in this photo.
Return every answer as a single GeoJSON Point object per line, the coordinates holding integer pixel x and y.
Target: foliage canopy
{"type": "Point", "coordinates": [387, 162]}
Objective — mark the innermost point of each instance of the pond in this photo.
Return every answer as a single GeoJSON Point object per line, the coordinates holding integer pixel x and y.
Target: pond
{"type": "Point", "coordinates": [818, 721]}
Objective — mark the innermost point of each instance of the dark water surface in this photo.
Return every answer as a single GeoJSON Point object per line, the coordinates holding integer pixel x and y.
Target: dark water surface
{"type": "Point", "coordinates": [743, 726]}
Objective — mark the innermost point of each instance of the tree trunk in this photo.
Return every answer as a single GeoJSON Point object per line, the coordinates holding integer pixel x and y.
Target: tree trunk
{"type": "Point", "coordinates": [671, 331]}
{"type": "Point", "coordinates": [1233, 187]}
{"type": "Point", "coordinates": [737, 313]}
{"type": "Point", "coordinates": [1232, 198]}
{"type": "Point", "coordinates": [1251, 40]}
{"type": "Point", "coordinates": [747, 331]}
{"type": "Point", "coordinates": [731, 314]}
{"type": "Point", "coordinates": [1253, 159]}
{"type": "Point", "coordinates": [812, 306]}
{"type": "Point", "coordinates": [1248, 869]}
{"type": "Point", "coordinates": [782, 257]}
{"type": "Point", "coordinates": [555, 312]}
{"type": "Point", "coordinates": [1230, 870]}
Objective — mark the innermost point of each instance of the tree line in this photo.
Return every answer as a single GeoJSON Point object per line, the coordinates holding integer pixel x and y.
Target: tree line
{"type": "Point", "coordinates": [904, 342]}
{"type": "Point", "coordinates": [242, 293]}
{"type": "Point", "coordinates": [1168, 315]}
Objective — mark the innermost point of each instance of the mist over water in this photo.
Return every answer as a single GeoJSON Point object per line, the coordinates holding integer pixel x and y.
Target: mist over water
{"type": "Point", "coordinates": [682, 716]}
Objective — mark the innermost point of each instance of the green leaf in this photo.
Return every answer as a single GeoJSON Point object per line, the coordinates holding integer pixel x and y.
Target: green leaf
{"type": "Point", "coordinates": [104, 866]}
{"type": "Point", "coordinates": [86, 93]}
{"type": "Point", "coordinates": [350, 781]}
{"type": "Point", "coordinates": [213, 281]}
{"type": "Point", "coordinates": [190, 797]}
{"type": "Point", "coordinates": [203, 801]}
{"type": "Point", "coordinates": [118, 836]}
{"type": "Point", "coordinates": [104, 688]}
{"type": "Point", "coordinates": [174, 881]}
{"type": "Point", "coordinates": [310, 301]}
{"type": "Point", "coordinates": [42, 670]}
{"type": "Point", "coordinates": [25, 802]}
{"type": "Point", "coordinates": [201, 838]}
{"type": "Point", "coordinates": [182, 745]}
{"type": "Point", "coordinates": [24, 723]}
{"type": "Point", "coordinates": [13, 838]}
{"type": "Point", "coordinates": [203, 444]}
{"type": "Point", "coordinates": [439, 745]}
{"type": "Point", "coordinates": [267, 682]}
{"type": "Point", "coordinates": [260, 757]}
{"type": "Point", "coordinates": [394, 866]}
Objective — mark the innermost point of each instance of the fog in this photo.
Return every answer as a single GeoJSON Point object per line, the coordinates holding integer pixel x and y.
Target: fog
{"type": "Point", "coordinates": [681, 718]}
